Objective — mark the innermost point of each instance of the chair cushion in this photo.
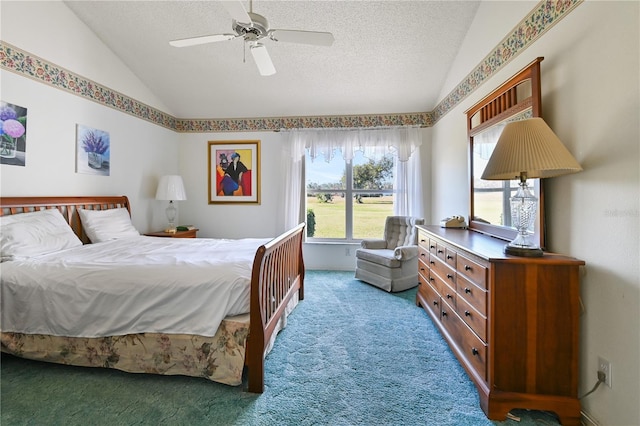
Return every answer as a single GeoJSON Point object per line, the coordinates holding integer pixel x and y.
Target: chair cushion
{"type": "Point", "coordinates": [401, 231]}
{"type": "Point", "coordinates": [384, 257]}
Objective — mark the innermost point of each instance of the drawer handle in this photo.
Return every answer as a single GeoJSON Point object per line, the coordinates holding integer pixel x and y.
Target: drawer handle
{"type": "Point", "coordinates": [467, 313]}
{"type": "Point", "coordinates": [432, 247]}
{"type": "Point", "coordinates": [422, 269]}
{"type": "Point", "coordinates": [440, 251]}
{"type": "Point", "coordinates": [449, 256]}
{"type": "Point", "coordinates": [467, 290]}
{"type": "Point", "coordinates": [444, 313]}
{"type": "Point", "coordinates": [450, 276]}
{"type": "Point", "coordinates": [432, 262]}
{"type": "Point", "coordinates": [423, 241]}
{"type": "Point", "coordinates": [474, 351]}
{"type": "Point", "coordinates": [431, 279]}
{"type": "Point", "coordinates": [435, 303]}
{"type": "Point", "coordinates": [467, 267]}
{"type": "Point", "coordinates": [422, 254]}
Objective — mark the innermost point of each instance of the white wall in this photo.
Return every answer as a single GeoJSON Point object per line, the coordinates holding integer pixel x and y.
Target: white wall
{"type": "Point", "coordinates": [229, 220]}
{"type": "Point", "coordinates": [50, 30]}
{"type": "Point", "coordinates": [140, 151]}
{"type": "Point", "coordinates": [591, 98]}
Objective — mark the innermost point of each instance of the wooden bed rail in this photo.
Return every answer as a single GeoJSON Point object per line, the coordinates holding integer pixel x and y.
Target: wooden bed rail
{"type": "Point", "coordinates": [278, 272]}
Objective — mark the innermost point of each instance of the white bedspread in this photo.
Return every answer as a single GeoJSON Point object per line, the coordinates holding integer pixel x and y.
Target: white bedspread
{"type": "Point", "coordinates": [133, 285]}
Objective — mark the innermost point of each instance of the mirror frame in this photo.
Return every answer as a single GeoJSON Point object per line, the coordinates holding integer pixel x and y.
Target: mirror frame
{"type": "Point", "coordinates": [502, 105]}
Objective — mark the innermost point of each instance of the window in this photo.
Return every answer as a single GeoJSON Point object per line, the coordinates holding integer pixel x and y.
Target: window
{"type": "Point", "coordinates": [348, 201]}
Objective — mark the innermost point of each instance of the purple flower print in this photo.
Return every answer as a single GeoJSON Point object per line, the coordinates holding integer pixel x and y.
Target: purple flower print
{"type": "Point", "coordinates": [6, 113]}
{"type": "Point", "coordinates": [93, 143]}
{"type": "Point", "coordinates": [13, 128]}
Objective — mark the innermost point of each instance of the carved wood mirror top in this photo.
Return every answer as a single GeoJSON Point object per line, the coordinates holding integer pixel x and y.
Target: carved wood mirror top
{"type": "Point", "coordinates": [516, 99]}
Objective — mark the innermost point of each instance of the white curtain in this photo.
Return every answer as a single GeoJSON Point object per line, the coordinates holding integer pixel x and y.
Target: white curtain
{"type": "Point", "coordinates": [408, 186]}
{"type": "Point", "coordinates": [294, 181]}
{"type": "Point", "coordinates": [402, 142]}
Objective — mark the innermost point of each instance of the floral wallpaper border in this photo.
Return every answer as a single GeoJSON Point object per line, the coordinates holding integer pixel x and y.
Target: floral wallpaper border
{"type": "Point", "coordinates": [545, 15]}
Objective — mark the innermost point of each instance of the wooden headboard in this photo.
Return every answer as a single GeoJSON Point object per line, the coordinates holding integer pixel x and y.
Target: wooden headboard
{"type": "Point", "coordinates": [68, 206]}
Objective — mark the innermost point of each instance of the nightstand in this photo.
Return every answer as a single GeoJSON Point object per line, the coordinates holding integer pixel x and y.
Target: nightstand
{"type": "Point", "coordinates": [178, 234]}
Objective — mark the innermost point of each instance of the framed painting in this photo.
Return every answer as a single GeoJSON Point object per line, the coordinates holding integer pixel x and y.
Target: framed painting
{"type": "Point", "coordinates": [93, 151]}
{"type": "Point", "coordinates": [234, 172]}
{"type": "Point", "coordinates": [13, 134]}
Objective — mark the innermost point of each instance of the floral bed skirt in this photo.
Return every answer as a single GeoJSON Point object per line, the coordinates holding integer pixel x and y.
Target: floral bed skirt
{"type": "Point", "coordinates": [219, 358]}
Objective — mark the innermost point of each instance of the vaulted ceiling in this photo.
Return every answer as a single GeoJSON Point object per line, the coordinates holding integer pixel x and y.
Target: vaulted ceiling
{"type": "Point", "coordinates": [387, 57]}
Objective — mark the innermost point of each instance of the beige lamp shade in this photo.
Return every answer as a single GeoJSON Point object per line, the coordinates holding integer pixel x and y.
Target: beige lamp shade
{"type": "Point", "coordinates": [530, 149]}
{"type": "Point", "coordinates": [171, 188]}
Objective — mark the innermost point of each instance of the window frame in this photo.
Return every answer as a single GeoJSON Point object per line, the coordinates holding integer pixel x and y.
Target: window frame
{"type": "Point", "coordinates": [349, 193]}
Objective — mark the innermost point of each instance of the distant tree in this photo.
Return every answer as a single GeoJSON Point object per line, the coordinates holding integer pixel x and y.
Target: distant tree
{"type": "Point", "coordinates": [311, 223]}
{"type": "Point", "coordinates": [325, 197]}
{"type": "Point", "coordinates": [372, 175]}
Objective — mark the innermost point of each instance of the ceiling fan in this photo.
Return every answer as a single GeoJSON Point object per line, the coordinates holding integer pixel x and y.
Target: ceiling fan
{"type": "Point", "coordinates": [253, 28]}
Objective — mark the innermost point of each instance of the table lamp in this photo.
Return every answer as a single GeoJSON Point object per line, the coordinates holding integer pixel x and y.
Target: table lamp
{"type": "Point", "coordinates": [171, 188]}
{"type": "Point", "coordinates": [527, 149]}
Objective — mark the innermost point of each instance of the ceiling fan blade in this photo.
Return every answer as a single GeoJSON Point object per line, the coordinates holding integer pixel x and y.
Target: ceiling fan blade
{"type": "Point", "coordinates": [237, 11]}
{"type": "Point", "coordinates": [304, 37]}
{"type": "Point", "coordinates": [194, 41]}
{"type": "Point", "coordinates": [262, 59]}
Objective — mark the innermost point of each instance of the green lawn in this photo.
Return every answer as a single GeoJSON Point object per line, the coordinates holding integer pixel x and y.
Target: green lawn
{"type": "Point", "coordinates": [369, 217]}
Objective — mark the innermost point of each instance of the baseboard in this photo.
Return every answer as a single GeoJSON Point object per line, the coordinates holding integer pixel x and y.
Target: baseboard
{"type": "Point", "coordinates": [587, 420]}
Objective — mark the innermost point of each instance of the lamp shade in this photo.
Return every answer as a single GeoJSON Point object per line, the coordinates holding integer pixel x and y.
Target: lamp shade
{"type": "Point", "coordinates": [171, 188]}
{"type": "Point", "coordinates": [529, 148]}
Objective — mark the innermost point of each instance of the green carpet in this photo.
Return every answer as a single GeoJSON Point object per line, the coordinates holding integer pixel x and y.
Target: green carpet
{"type": "Point", "coordinates": [351, 355]}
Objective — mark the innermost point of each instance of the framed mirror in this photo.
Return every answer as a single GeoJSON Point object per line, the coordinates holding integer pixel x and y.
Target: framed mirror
{"type": "Point", "coordinates": [516, 99]}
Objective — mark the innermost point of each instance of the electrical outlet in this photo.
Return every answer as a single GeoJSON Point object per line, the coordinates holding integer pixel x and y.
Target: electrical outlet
{"type": "Point", "coordinates": [605, 367]}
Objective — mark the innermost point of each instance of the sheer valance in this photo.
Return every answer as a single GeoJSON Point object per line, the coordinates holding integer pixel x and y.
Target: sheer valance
{"type": "Point", "coordinates": [403, 142]}
{"type": "Point", "coordinates": [374, 143]}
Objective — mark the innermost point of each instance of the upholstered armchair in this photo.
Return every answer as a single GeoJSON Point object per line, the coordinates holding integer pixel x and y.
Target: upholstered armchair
{"type": "Point", "coordinates": [391, 263]}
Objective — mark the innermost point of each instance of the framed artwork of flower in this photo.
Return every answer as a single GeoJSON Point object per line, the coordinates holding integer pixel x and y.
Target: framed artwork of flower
{"type": "Point", "coordinates": [93, 150]}
{"type": "Point", "coordinates": [13, 134]}
{"type": "Point", "coordinates": [234, 172]}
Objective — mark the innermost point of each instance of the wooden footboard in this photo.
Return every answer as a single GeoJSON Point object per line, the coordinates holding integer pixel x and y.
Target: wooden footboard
{"type": "Point", "coordinates": [278, 272]}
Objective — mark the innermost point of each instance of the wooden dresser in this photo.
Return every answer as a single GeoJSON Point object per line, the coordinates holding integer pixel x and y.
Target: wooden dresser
{"type": "Point", "coordinates": [512, 322]}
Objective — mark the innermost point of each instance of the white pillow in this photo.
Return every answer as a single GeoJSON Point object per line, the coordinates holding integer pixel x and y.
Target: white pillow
{"type": "Point", "coordinates": [33, 234]}
{"type": "Point", "coordinates": [103, 225]}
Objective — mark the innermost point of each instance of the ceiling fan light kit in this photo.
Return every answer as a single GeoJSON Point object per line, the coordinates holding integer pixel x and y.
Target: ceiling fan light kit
{"type": "Point", "coordinates": [253, 27]}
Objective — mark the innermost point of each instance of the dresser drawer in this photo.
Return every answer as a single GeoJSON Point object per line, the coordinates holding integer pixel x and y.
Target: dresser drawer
{"type": "Point", "coordinates": [445, 272]}
{"type": "Point", "coordinates": [445, 290]}
{"type": "Point", "coordinates": [423, 241]}
{"type": "Point", "coordinates": [473, 294]}
{"type": "Point", "coordinates": [431, 296]}
{"type": "Point", "coordinates": [433, 247]}
{"type": "Point", "coordinates": [423, 256]}
{"type": "Point", "coordinates": [441, 251]}
{"type": "Point", "coordinates": [471, 347]}
{"type": "Point", "coordinates": [450, 257]}
{"type": "Point", "coordinates": [472, 270]}
{"type": "Point", "coordinates": [472, 317]}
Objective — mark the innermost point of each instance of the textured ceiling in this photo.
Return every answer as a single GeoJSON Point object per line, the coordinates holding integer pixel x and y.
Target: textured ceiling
{"type": "Point", "coordinates": [387, 57]}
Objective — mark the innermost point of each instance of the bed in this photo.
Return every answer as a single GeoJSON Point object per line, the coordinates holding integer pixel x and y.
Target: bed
{"type": "Point", "coordinates": [265, 274]}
